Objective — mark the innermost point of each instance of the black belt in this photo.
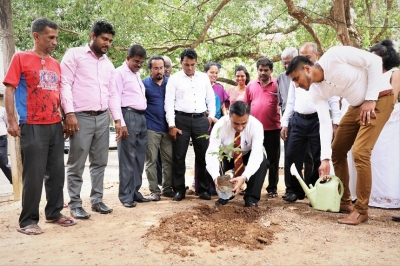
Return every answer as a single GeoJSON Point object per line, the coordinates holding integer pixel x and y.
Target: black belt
{"type": "Point", "coordinates": [134, 110]}
{"type": "Point", "coordinates": [93, 113]}
{"type": "Point", "coordinates": [192, 115]}
{"type": "Point", "coordinates": [3, 137]}
{"type": "Point", "coordinates": [307, 116]}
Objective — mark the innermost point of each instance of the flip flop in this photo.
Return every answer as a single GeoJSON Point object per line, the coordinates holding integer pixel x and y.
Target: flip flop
{"type": "Point", "coordinates": [63, 221]}
{"type": "Point", "coordinates": [32, 229]}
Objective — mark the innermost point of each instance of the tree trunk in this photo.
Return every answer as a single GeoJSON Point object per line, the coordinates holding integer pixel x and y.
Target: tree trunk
{"type": "Point", "coordinates": [343, 23]}
{"type": "Point", "coordinates": [8, 49]}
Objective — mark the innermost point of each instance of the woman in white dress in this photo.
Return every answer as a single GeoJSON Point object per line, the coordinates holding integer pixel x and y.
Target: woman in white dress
{"type": "Point", "coordinates": [385, 158]}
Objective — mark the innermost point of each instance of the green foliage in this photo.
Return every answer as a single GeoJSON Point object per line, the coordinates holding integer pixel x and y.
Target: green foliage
{"type": "Point", "coordinates": [240, 33]}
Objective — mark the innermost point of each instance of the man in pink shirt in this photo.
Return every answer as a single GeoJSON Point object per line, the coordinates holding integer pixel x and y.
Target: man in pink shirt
{"type": "Point", "coordinates": [132, 148]}
{"type": "Point", "coordinates": [262, 96]}
{"type": "Point", "coordinates": [87, 92]}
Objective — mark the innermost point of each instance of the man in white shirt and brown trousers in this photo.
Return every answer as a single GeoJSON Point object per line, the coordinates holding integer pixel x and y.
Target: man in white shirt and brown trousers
{"type": "Point", "coordinates": [250, 163]}
{"type": "Point", "coordinates": [355, 75]}
{"type": "Point", "coordinates": [187, 98]}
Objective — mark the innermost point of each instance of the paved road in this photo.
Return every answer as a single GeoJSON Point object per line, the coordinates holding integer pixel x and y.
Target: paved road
{"type": "Point", "coordinates": [111, 174]}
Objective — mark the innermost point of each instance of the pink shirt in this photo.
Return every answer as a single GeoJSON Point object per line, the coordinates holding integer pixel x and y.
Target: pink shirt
{"type": "Point", "coordinates": [235, 96]}
{"type": "Point", "coordinates": [87, 82]}
{"type": "Point", "coordinates": [130, 88]}
{"type": "Point", "coordinates": [263, 102]}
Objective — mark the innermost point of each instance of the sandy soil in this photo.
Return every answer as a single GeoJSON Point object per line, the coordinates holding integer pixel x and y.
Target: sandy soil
{"type": "Point", "coordinates": [195, 232]}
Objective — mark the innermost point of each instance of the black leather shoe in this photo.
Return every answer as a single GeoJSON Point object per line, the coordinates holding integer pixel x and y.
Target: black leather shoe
{"type": "Point", "coordinates": [250, 203]}
{"type": "Point", "coordinates": [205, 195]}
{"type": "Point", "coordinates": [396, 218]}
{"type": "Point", "coordinates": [221, 202]}
{"type": "Point", "coordinates": [285, 195]}
{"type": "Point", "coordinates": [79, 213]}
{"type": "Point", "coordinates": [168, 194]}
{"type": "Point", "coordinates": [292, 197]}
{"type": "Point", "coordinates": [178, 196]}
{"type": "Point", "coordinates": [143, 200]}
{"type": "Point", "coordinates": [101, 208]}
{"type": "Point", "coordinates": [129, 204]}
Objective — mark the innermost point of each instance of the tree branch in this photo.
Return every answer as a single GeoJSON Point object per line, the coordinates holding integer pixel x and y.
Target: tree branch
{"type": "Point", "coordinates": [304, 20]}
{"type": "Point", "coordinates": [208, 23]}
{"type": "Point", "coordinates": [176, 8]}
{"type": "Point", "coordinates": [69, 31]}
{"type": "Point", "coordinates": [385, 24]}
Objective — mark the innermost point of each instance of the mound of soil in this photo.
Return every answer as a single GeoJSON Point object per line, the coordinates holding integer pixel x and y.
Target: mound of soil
{"type": "Point", "coordinates": [226, 226]}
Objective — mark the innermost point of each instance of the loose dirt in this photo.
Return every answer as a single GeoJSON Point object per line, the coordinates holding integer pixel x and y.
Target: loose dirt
{"type": "Point", "coordinates": [195, 232]}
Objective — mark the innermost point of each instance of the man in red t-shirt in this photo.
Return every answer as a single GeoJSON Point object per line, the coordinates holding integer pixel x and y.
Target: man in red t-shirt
{"type": "Point", "coordinates": [34, 79]}
{"type": "Point", "coordinates": [262, 96]}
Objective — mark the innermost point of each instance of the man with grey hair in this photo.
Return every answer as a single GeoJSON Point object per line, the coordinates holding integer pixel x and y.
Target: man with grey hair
{"type": "Point", "coordinates": [284, 83]}
{"type": "Point", "coordinates": [283, 80]}
{"type": "Point", "coordinates": [167, 66]}
{"type": "Point", "coordinates": [302, 136]}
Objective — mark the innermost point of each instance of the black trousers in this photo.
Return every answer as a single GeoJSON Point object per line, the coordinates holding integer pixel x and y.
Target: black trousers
{"type": "Point", "coordinates": [42, 152]}
{"type": "Point", "coordinates": [256, 181]}
{"type": "Point", "coordinates": [272, 146]}
{"type": "Point", "coordinates": [303, 133]}
{"type": "Point", "coordinates": [308, 166]}
{"type": "Point", "coordinates": [191, 128]}
{"type": "Point", "coordinates": [4, 165]}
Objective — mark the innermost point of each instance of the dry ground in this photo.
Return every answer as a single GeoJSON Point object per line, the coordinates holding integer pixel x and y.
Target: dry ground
{"type": "Point", "coordinates": [194, 232]}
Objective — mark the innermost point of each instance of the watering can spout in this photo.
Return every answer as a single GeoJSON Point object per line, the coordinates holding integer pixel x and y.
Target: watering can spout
{"type": "Point", "coordinates": [308, 191]}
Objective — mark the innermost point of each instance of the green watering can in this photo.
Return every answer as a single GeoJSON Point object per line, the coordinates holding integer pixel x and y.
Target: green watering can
{"type": "Point", "coordinates": [324, 196]}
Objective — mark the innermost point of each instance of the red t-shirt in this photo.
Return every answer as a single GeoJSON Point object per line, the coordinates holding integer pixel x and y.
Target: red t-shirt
{"type": "Point", "coordinates": [37, 83]}
{"type": "Point", "coordinates": [263, 102]}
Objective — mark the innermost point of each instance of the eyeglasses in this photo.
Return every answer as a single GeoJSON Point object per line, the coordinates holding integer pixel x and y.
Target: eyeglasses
{"type": "Point", "coordinates": [157, 68]}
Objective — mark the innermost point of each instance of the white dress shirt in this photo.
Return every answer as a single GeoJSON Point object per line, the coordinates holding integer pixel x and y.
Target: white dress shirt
{"type": "Point", "coordinates": [351, 73]}
{"type": "Point", "coordinates": [301, 101]}
{"type": "Point", "coordinates": [188, 94]}
{"type": "Point", "coordinates": [3, 121]}
{"type": "Point", "coordinates": [223, 134]}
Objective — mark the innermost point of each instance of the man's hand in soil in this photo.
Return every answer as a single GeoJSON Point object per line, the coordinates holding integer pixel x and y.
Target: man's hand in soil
{"type": "Point", "coordinates": [239, 181]}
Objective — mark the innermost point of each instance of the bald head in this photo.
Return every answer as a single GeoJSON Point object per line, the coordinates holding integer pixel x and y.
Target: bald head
{"type": "Point", "coordinates": [310, 51]}
{"type": "Point", "coordinates": [167, 66]}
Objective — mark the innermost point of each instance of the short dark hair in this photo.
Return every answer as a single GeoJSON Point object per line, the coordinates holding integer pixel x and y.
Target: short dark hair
{"type": "Point", "coordinates": [189, 53]}
{"type": "Point", "coordinates": [136, 50]}
{"type": "Point", "coordinates": [297, 62]}
{"type": "Point", "coordinates": [265, 62]}
{"type": "Point", "coordinates": [242, 68]}
{"type": "Point", "coordinates": [239, 108]}
{"type": "Point", "coordinates": [385, 49]}
{"type": "Point", "coordinates": [210, 64]}
{"type": "Point", "coordinates": [101, 27]}
{"type": "Point", "coordinates": [154, 57]}
{"type": "Point", "coordinates": [39, 24]}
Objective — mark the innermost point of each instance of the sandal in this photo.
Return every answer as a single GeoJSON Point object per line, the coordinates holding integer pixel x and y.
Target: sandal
{"type": "Point", "coordinates": [32, 229]}
{"type": "Point", "coordinates": [272, 194]}
{"type": "Point", "coordinates": [63, 221]}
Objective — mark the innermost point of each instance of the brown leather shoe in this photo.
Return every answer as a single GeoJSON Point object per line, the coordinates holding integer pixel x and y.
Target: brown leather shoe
{"type": "Point", "coordinates": [346, 208]}
{"type": "Point", "coordinates": [354, 218]}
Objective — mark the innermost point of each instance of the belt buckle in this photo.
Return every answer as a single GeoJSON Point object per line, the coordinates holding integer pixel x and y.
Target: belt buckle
{"type": "Point", "coordinates": [93, 113]}
{"type": "Point", "coordinates": [192, 115]}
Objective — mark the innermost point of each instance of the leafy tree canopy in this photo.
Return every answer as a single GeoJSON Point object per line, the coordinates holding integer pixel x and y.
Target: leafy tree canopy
{"type": "Point", "coordinates": [230, 32]}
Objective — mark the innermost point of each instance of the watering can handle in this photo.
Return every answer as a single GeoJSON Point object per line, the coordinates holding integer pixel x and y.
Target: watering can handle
{"type": "Point", "coordinates": [340, 183]}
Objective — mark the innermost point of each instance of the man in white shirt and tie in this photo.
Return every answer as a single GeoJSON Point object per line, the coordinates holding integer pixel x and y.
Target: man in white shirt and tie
{"type": "Point", "coordinates": [239, 124]}
{"type": "Point", "coordinates": [355, 75]}
{"type": "Point", "coordinates": [187, 98]}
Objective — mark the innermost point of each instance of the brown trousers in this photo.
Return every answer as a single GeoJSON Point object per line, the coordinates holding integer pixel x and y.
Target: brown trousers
{"type": "Point", "coordinates": [362, 138]}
